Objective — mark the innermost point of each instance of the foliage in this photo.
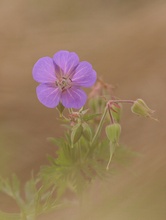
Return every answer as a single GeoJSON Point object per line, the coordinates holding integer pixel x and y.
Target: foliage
{"type": "Point", "coordinates": [88, 151]}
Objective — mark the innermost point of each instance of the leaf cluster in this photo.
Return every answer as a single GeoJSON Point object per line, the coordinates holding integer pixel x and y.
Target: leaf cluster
{"type": "Point", "coordinates": [31, 200]}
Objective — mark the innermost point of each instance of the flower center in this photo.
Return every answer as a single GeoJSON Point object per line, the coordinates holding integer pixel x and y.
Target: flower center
{"type": "Point", "coordinates": [63, 83]}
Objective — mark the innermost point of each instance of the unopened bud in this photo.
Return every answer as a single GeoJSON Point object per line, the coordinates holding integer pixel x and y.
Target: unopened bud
{"type": "Point", "coordinates": [113, 132]}
{"type": "Point", "coordinates": [87, 133]}
{"type": "Point", "coordinates": [60, 108]}
{"type": "Point", "coordinates": [76, 133]}
{"type": "Point", "coordinates": [140, 108]}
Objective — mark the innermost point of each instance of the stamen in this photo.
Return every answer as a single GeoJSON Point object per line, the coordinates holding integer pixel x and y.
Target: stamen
{"type": "Point", "coordinates": [63, 83]}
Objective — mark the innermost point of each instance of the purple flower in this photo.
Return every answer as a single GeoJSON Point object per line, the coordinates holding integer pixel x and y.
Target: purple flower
{"type": "Point", "coordinates": [61, 79]}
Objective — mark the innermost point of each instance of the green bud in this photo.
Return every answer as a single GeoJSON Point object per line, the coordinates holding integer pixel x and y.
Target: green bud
{"type": "Point", "coordinates": [60, 108]}
{"type": "Point", "coordinates": [87, 133]}
{"type": "Point", "coordinates": [113, 132]}
{"type": "Point", "coordinates": [140, 108]}
{"type": "Point", "coordinates": [76, 133]}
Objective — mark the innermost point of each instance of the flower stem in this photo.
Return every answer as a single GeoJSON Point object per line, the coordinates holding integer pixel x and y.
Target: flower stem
{"type": "Point", "coordinates": [120, 101]}
{"type": "Point", "coordinates": [100, 126]}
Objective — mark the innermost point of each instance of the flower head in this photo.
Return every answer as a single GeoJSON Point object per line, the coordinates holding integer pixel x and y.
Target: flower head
{"type": "Point", "coordinates": [140, 108]}
{"type": "Point", "coordinates": [61, 79]}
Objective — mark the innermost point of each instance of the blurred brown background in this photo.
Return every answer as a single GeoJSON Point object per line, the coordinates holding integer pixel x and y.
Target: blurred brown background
{"type": "Point", "coordinates": [126, 43]}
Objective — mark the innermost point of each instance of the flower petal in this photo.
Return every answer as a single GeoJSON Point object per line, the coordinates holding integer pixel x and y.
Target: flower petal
{"type": "Point", "coordinates": [73, 98]}
{"type": "Point", "coordinates": [44, 70]}
{"type": "Point", "coordinates": [48, 95]}
{"type": "Point", "coordinates": [66, 61]}
{"type": "Point", "coordinates": [84, 75]}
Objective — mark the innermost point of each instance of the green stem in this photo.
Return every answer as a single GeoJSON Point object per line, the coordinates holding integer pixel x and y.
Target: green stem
{"type": "Point", "coordinates": [112, 149]}
{"type": "Point", "coordinates": [100, 126]}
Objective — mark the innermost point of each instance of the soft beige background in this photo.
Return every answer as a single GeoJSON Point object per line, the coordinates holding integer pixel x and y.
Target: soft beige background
{"type": "Point", "coordinates": [126, 43]}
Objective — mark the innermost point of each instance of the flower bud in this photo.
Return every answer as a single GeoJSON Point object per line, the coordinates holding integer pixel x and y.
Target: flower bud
{"type": "Point", "coordinates": [87, 133]}
{"type": "Point", "coordinates": [60, 108]}
{"type": "Point", "coordinates": [113, 132]}
{"type": "Point", "coordinates": [140, 108]}
{"type": "Point", "coordinates": [76, 133]}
